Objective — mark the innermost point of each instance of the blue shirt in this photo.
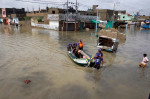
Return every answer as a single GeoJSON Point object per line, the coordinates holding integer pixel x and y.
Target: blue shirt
{"type": "Point", "coordinates": [98, 60]}
{"type": "Point", "coordinates": [99, 54]}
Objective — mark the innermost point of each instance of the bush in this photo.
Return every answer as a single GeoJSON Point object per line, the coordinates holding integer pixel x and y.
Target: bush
{"type": "Point", "coordinates": [27, 18]}
{"type": "Point", "coordinates": [40, 19]}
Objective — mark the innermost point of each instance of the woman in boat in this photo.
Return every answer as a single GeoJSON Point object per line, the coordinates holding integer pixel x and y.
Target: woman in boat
{"type": "Point", "coordinates": [80, 45]}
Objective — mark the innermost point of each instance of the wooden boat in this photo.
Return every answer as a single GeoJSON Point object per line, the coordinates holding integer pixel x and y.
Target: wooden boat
{"type": "Point", "coordinates": [80, 61]}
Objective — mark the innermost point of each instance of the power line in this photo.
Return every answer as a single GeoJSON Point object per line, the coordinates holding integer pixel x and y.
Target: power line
{"type": "Point", "coordinates": [42, 2]}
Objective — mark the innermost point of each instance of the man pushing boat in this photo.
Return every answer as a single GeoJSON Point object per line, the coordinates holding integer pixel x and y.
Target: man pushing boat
{"type": "Point", "coordinates": [98, 59]}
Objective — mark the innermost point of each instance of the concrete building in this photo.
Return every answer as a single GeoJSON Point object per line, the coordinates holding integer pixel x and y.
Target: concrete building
{"type": "Point", "coordinates": [125, 17]}
{"type": "Point", "coordinates": [107, 14]}
{"type": "Point", "coordinates": [143, 18]}
{"type": "Point", "coordinates": [0, 12]}
{"type": "Point", "coordinates": [12, 12]}
{"type": "Point", "coordinates": [57, 19]}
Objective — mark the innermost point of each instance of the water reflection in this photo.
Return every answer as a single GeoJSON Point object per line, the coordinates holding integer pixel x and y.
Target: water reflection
{"type": "Point", "coordinates": [6, 29]}
{"type": "Point", "coordinates": [52, 34]}
{"type": "Point", "coordinates": [40, 55]}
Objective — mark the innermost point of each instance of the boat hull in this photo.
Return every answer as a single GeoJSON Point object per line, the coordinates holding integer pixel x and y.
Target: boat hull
{"type": "Point", "coordinates": [80, 61]}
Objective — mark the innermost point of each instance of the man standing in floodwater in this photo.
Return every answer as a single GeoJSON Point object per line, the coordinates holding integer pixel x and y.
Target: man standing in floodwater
{"type": "Point", "coordinates": [144, 61]}
{"type": "Point", "coordinates": [101, 55]}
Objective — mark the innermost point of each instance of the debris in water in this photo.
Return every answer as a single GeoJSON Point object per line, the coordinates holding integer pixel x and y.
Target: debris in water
{"type": "Point", "coordinates": [27, 81]}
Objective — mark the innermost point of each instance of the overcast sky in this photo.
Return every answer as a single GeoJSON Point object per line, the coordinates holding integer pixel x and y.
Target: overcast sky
{"type": "Point", "coordinates": [131, 6]}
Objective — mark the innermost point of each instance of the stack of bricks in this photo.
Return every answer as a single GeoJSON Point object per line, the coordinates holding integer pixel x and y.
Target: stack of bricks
{"type": "Point", "coordinates": [112, 33]}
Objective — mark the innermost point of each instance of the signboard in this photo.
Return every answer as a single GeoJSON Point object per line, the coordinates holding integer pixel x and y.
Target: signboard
{"type": "Point", "coordinates": [4, 12]}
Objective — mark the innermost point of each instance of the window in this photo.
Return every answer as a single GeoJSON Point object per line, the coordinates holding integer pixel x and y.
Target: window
{"type": "Point", "coordinates": [53, 12]}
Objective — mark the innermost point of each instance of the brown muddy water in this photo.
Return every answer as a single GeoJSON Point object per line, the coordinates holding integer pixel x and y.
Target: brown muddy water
{"type": "Point", "coordinates": [40, 56]}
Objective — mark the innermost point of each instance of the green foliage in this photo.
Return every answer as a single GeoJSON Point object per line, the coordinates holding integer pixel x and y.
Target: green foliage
{"type": "Point", "coordinates": [27, 18]}
{"type": "Point", "coordinates": [40, 19]}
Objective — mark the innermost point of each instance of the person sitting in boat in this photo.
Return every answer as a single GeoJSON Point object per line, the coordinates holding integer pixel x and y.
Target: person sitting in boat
{"type": "Point", "coordinates": [69, 47]}
{"type": "Point", "coordinates": [80, 55]}
{"type": "Point", "coordinates": [77, 53]}
{"type": "Point", "coordinates": [74, 50]}
{"type": "Point", "coordinates": [73, 45]}
{"type": "Point", "coordinates": [76, 45]}
{"type": "Point", "coordinates": [80, 45]}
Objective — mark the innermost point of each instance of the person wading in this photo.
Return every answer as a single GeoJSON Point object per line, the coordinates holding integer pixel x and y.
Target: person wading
{"type": "Point", "coordinates": [101, 55]}
{"type": "Point", "coordinates": [144, 61]}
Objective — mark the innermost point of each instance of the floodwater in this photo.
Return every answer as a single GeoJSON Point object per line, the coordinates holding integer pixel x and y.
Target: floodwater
{"type": "Point", "coordinates": [40, 55]}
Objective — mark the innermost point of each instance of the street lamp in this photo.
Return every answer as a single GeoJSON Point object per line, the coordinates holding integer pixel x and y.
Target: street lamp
{"type": "Point", "coordinates": [115, 4]}
{"type": "Point", "coordinates": [97, 18]}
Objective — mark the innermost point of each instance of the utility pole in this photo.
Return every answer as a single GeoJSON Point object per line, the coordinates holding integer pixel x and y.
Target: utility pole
{"type": "Point", "coordinates": [113, 15]}
{"type": "Point", "coordinates": [96, 18]}
{"type": "Point", "coordinates": [67, 18]}
{"type": "Point", "coordinates": [33, 9]}
{"type": "Point", "coordinates": [115, 4]}
{"type": "Point", "coordinates": [76, 16]}
{"type": "Point", "coordinates": [39, 9]}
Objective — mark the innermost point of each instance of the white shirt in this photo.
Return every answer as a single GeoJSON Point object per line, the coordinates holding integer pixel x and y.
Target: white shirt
{"type": "Point", "coordinates": [145, 60]}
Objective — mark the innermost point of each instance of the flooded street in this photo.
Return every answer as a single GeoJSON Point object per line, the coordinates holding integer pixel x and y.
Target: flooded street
{"type": "Point", "coordinates": [40, 55]}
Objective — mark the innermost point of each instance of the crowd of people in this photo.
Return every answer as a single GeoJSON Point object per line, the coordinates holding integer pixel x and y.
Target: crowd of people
{"type": "Point", "coordinates": [98, 58]}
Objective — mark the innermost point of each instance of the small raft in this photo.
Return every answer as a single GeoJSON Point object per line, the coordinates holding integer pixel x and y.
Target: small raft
{"type": "Point", "coordinates": [80, 61]}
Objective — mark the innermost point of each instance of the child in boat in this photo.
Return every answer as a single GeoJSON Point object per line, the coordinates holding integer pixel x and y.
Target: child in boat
{"type": "Point", "coordinates": [144, 61]}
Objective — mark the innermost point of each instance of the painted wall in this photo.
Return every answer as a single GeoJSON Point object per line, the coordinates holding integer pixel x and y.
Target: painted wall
{"type": "Point", "coordinates": [54, 25]}
{"type": "Point", "coordinates": [126, 17]}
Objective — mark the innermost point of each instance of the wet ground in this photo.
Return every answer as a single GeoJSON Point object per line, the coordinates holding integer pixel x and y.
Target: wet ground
{"type": "Point", "coordinates": [40, 56]}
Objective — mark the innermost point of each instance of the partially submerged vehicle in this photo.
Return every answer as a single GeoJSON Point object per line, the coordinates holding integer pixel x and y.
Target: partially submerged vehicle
{"type": "Point", "coordinates": [107, 43]}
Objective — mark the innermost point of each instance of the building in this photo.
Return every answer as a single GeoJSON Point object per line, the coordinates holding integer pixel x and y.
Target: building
{"type": "Point", "coordinates": [126, 17]}
{"type": "Point", "coordinates": [58, 19]}
{"type": "Point", "coordinates": [0, 12]}
{"type": "Point", "coordinates": [12, 12]}
{"type": "Point", "coordinates": [108, 14]}
{"type": "Point", "coordinates": [143, 18]}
